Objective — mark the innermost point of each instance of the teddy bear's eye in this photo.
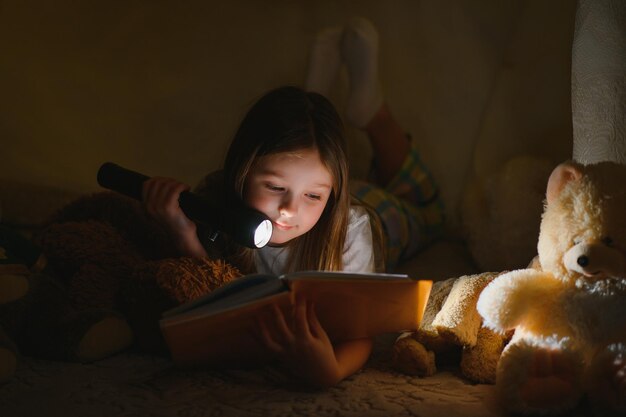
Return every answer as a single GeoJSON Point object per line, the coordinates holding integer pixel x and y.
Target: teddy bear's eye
{"type": "Point", "coordinates": [576, 241]}
{"type": "Point", "coordinates": [607, 241]}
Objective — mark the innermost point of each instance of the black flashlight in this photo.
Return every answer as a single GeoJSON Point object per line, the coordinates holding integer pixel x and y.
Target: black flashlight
{"type": "Point", "coordinates": [243, 224]}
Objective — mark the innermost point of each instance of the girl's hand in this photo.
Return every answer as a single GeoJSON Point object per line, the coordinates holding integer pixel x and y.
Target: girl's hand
{"type": "Point", "coordinates": [303, 346]}
{"type": "Point", "coordinates": [160, 199]}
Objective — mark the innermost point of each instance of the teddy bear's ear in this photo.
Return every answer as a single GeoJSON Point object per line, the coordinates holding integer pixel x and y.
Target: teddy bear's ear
{"type": "Point", "coordinates": [561, 175]}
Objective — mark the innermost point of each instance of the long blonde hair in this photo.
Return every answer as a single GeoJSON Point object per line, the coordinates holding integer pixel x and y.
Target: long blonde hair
{"type": "Point", "coordinates": [289, 119]}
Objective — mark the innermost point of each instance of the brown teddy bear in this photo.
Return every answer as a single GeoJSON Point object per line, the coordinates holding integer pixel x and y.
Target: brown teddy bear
{"type": "Point", "coordinates": [109, 273]}
{"type": "Point", "coordinates": [36, 317]}
{"type": "Point", "coordinates": [451, 333]}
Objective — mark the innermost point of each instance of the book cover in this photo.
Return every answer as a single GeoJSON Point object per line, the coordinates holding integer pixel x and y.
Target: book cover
{"type": "Point", "coordinates": [220, 329]}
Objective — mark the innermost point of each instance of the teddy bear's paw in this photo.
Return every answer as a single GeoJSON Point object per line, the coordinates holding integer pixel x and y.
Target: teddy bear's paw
{"type": "Point", "coordinates": [411, 357]}
{"type": "Point", "coordinates": [605, 381]}
{"type": "Point", "coordinates": [104, 338]}
{"type": "Point", "coordinates": [553, 380]}
{"type": "Point", "coordinates": [187, 278]}
{"type": "Point", "coordinates": [479, 363]}
{"type": "Point", "coordinates": [538, 380]}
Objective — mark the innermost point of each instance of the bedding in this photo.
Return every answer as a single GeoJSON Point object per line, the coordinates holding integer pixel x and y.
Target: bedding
{"type": "Point", "coordinates": [129, 384]}
{"type": "Point", "coordinates": [137, 385]}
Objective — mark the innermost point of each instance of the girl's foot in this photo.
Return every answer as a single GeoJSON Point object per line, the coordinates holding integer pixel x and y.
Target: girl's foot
{"type": "Point", "coordinates": [324, 60]}
{"type": "Point", "coordinates": [359, 50]}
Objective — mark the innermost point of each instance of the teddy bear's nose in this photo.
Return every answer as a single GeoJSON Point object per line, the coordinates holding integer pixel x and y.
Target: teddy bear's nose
{"type": "Point", "coordinates": [582, 260]}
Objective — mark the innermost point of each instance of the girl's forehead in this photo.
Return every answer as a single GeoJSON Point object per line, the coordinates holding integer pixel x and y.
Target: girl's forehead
{"type": "Point", "coordinates": [294, 155]}
{"type": "Point", "coordinates": [290, 163]}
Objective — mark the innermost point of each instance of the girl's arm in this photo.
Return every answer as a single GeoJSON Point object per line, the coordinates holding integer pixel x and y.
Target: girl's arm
{"type": "Point", "coordinates": [304, 347]}
{"type": "Point", "coordinates": [160, 199]}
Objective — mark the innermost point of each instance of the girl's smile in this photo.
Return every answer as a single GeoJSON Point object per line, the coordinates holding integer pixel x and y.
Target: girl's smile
{"type": "Point", "coordinates": [283, 226]}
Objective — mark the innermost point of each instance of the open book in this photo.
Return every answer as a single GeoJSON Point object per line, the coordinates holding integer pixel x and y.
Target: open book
{"type": "Point", "coordinates": [221, 328]}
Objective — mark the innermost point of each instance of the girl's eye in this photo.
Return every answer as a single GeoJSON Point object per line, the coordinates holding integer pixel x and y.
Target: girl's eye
{"type": "Point", "coordinates": [274, 188]}
{"type": "Point", "coordinates": [314, 196]}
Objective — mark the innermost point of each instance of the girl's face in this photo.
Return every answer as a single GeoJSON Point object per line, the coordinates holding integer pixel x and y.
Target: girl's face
{"type": "Point", "coordinates": [292, 189]}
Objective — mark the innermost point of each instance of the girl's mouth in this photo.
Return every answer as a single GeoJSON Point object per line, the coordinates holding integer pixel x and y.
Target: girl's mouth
{"type": "Point", "coordinates": [283, 226]}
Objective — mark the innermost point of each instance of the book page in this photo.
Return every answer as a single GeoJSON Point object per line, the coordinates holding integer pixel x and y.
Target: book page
{"type": "Point", "coordinates": [235, 293]}
{"type": "Point", "coordinates": [340, 275]}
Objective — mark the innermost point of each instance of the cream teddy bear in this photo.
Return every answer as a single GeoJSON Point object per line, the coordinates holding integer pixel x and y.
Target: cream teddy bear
{"type": "Point", "coordinates": [569, 315]}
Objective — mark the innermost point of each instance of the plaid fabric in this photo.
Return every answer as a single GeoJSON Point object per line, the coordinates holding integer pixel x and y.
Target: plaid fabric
{"type": "Point", "coordinates": [409, 208]}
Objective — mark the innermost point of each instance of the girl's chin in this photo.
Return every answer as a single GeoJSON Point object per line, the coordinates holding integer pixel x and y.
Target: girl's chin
{"type": "Point", "coordinates": [281, 239]}
{"type": "Point", "coordinates": [279, 242]}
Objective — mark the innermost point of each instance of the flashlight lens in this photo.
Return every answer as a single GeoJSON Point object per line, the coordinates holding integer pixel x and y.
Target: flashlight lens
{"type": "Point", "coordinates": [263, 233]}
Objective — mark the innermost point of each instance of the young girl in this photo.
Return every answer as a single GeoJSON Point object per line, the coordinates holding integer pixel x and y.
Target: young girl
{"type": "Point", "coordinates": [288, 160]}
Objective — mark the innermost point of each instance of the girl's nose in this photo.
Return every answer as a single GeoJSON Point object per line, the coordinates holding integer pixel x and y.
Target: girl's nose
{"type": "Point", "coordinates": [288, 206]}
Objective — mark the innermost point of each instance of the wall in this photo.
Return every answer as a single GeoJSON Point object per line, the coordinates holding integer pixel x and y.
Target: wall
{"type": "Point", "coordinates": [159, 86]}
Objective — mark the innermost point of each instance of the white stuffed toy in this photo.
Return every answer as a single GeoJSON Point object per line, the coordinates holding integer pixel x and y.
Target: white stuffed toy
{"type": "Point", "coordinates": [569, 314]}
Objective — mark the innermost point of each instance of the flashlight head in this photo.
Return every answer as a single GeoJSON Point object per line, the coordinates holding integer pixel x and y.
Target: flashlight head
{"type": "Point", "coordinates": [263, 233]}
{"type": "Point", "coordinates": [247, 226]}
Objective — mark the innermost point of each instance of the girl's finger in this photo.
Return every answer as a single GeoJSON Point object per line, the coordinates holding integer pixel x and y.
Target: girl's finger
{"type": "Point", "coordinates": [154, 188]}
{"type": "Point", "coordinates": [301, 322]}
{"type": "Point", "coordinates": [166, 195]}
{"type": "Point", "coordinates": [149, 193]}
{"type": "Point", "coordinates": [165, 191]}
{"type": "Point", "coordinates": [173, 194]}
{"type": "Point", "coordinates": [266, 337]}
{"type": "Point", "coordinates": [282, 328]}
{"type": "Point", "coordinates": [316, 327]}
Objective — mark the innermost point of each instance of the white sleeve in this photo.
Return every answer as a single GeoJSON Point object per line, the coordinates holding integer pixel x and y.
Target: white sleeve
{"type": "Point", "coordinates": [358, 252]}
